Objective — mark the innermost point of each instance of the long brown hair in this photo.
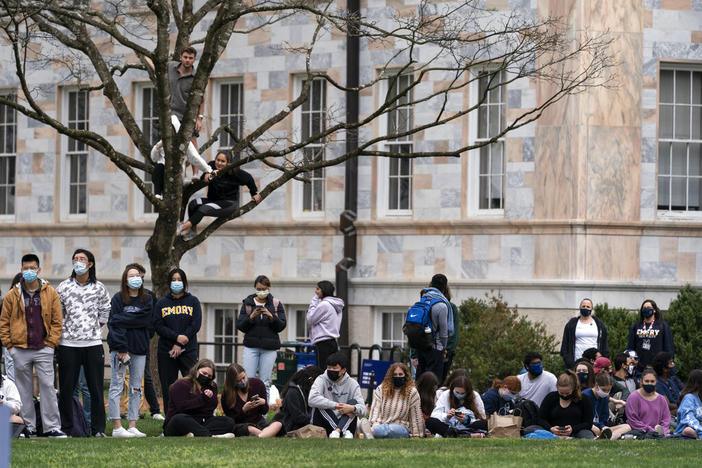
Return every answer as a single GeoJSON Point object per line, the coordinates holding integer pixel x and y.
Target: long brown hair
{"type": "Point", "coordinates": [427, 383]}
{"type": "Point", "coordinates": [192, 375]}
{"type": "Point", "coordinates": [124, 286]}
{"type": "Point", "coordinates": [389, 386]}
{"type": "Point", "coordinates": [463, 381]}
{"type": "Point", "coordinates": [230, 389]}
{"type": "Point", "coordinates": [570, 379]}
{"type": "Point", "coordinates": [693, 385]}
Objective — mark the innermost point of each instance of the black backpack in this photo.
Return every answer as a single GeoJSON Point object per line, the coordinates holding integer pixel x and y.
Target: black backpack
{"type": "Point", "coordinates": [418, 327]}
{"type": "Point", "coordinates": [528, 410]}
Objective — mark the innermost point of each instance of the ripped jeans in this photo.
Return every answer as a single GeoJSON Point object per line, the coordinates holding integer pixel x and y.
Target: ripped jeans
{"type": "Point", "coordinates": [136, 375]}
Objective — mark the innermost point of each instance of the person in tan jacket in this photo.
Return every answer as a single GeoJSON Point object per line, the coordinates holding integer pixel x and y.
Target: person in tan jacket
{"type": "Point", "coordinates": [31, 324]}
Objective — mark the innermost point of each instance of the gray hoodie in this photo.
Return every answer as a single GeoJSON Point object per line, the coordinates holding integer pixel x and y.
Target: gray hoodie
{"type": "Point", "coordinates": [325, 394]}
{"type": "Point", "coordinates": [324, 318]}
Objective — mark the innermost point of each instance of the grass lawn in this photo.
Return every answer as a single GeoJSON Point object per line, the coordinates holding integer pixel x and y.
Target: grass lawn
{"type": "Point", "coordinates": [252, 452]}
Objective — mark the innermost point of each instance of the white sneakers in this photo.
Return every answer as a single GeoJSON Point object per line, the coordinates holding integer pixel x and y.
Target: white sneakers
{"type": "Point", "coordinates": [122, 433]}
{"type": "Point", "coordinates": [135, 432]}
{"type": "Point", "coordinates": [227, 435]}
{"type": "Point", "coordinates": [348, 434]}
{"type": "Point", "coordinates": [365, 427]}
{"type": "Point", "coordinates": [158, 417]}
{"type": "Point", "coordinates": [335, 434]}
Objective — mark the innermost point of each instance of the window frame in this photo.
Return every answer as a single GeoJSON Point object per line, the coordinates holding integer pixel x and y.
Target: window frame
{"type": "Point", "coordinates": [474, 174]}
{"type": "Point", "coordinates": [212, 309]}
{"type": "Point", "coordinates": [668, 214]}
{"type": "Point", "coordinates": [216, 87]}
{"type": "Point", "coordinates": [140, 200]}
{"type": "Point", "coordinates": [378, 318]}
{"type": "Point", "coordinates": [66, 167]}
{"type": "Point", "coordinates": [294, 311]}
{"type": "Point", "coordinates": [9, 156]}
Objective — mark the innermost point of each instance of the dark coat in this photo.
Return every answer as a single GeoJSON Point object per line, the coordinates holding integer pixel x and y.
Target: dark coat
{"type": "Point", "coordinates": [261, 332]}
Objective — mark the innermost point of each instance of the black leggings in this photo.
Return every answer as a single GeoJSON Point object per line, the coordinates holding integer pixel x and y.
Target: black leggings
{"type": "Point", "coordinates": [437, 427]}
{"type": "Point", "coordinates": [201, 207]}
{"type": "Point", "coordinates": [168, 369]}
{"type": "Point", "coordinates": [323, 349]}
{"type": "Point", "coordinates": [181, 424]}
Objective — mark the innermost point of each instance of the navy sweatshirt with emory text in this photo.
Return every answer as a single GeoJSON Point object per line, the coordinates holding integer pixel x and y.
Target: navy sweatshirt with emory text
{"type": "Point", "coordinates": [177, 316]}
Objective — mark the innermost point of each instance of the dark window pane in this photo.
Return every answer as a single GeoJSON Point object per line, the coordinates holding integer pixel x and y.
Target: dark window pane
{"type": "Point", "coordinates": [666, 121]}
{"type": "Point", "coordinates": [663, 193]}
{"type": "Point", "coordinates": [393, 199]}
{"type": "Point", "coordinates": [679, 159]}
{"type": "Point", "coordinates": [667, 86]}
{"type": "Point", "coordinates": [682, 87]}
{"type": "Point", "coordinates": [682, 122]}
{"type": "Point", "coordinates": [405, 193]}
{"type": "Point", "coordinates": [664, 158]}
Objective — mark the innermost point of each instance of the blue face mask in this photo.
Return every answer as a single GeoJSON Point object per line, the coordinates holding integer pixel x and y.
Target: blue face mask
{"type": "Point", "coordinates": [80, 268]}
{"type": "Point", "coordinates": [29, 275]}
{"type": "Point", "coordinates": [459, 396]}
{"type": "Point", "coordinates": [135, 282]}
{"type": "Point", "coordinates": [176, 286]}
{"type": "Point", "coordinates": [509, 396]}
{"type": "Point", "coordinates": [536, 369]}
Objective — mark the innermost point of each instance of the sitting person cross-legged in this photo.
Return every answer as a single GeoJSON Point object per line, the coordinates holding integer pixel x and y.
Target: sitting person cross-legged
{"type": "Point", "coordinates": [336, 399]}
{"type": "Point", "coordinates": [243, 400]}
{"type": "Point", "coordinates": [647, 410]}
{"type": "Point", "coordinates": [191, 404]}
{"type": "Point", "coordinates": [396, 412]}
{"type": "Point", "coordinates": [599, 398]}
{"type": "Point", "coordinates": [294, 412]}
{"type": "Point", "coordinates": [565, 412]}
{"type": "Point", "coordinates": [690, 407]}
{"type": "Point", "coordinates": [458, 410]}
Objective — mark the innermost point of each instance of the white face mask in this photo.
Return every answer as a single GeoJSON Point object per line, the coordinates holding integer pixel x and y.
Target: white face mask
{"type": "Point", "coordinates": [262, 294]}
{"type": "Point", "coordinates": [602, 394]}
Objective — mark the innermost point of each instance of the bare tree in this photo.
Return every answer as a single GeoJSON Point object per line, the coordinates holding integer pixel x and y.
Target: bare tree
{"type": "Point", "coordinates": [445, 45]}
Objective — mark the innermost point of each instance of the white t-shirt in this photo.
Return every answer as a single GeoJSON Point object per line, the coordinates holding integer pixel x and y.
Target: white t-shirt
{"type": "Point", "coordinates": [537, 389]}
{"type": "Point", "coordinates": [585, 338]}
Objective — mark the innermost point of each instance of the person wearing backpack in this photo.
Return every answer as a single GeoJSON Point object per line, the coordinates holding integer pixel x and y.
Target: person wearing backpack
{"type": "Point", "coordinates": [437, 320]}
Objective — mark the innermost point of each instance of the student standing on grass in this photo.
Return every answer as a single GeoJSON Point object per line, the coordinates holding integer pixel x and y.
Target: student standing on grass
{"type": "Point", "coordinates": [30, 328]}
{"type": "Point", "coordinates": [690, 407]}
{"type": "Point", "coordinates": [177, 319]}
{"type": "Point", "coordinates": [294, 412]}
{"type": "Point", "coordinates": [86, 308]}
{"type": "Point", "coordinates": [536, 382]}
{"type": "Point", "coordinates": [261, 319]}
{"type": "Point", "coordinates": [128, 338]}
{"type": "Point", "coordinates": [646, 410]}
{"type": "Point", "coordinates": [336, 399]}
{"type": "Point", "coordinates": [191, 406]}
{"type": "Point", "coordinates": [324, 319]}
{"type": "Point", "coordinates": [649, 335]}
{"type": "Point", "coordinates": [433, 358]}
{"type": "Point", "coordinates": [583, 332]}
{"type": "Point", "coordinates": [243, 400]}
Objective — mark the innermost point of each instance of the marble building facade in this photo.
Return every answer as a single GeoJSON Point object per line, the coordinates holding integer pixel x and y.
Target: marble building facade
{"type": "Point", "coordinates": [581, 212]}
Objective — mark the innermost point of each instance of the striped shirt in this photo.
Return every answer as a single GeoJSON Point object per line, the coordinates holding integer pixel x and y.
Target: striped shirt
{"type": "Point", "coordinates": [398, 410]}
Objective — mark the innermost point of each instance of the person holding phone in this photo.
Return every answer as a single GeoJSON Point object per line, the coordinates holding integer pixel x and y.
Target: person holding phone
{"type": "Point", "coordinates": [243, 401]}
{"type": "Point", "coordinates": [261, 319]}
{"type": "Point", "coordinates": [458, 410]}
{"type": "Point", "coordinates": [565, 412]}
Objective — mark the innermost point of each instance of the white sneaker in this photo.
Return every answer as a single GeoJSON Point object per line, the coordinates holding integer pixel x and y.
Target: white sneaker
{"type": "Point", "coordinates": [438, 436]}
{"type": "Point", "coordinates": [365, 427]}
{"type": "Point", "coordinates": [227, 435]}
{"type": "Point", "coordinates": [158, 417]}
{"type": "Point", "coordinates": [335, 434]}
{"type": "Point", "coordinates": [122, 433]}
{"type": "Point", "coordinates": [136, 432]}
{"type": "Point", "coordinates": [348, 434]}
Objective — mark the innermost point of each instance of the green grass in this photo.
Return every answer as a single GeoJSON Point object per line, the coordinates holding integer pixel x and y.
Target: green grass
{"type": "Point", "coordinates": [252, 452]}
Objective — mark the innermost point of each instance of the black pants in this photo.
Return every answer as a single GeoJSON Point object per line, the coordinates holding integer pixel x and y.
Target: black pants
{"type": "Point", "coordinates": [323, 349]}
{"type": "Point", "coordinates": [157, 178]}
{"type": "Point", "coordinates": [437, 427]}
{"type": "Point", "coordinates": [168, 369]}
{"type": "Point", "coordinates": [447, 365]}
{"type": "Point", "coordinates": [329, 421]}
{"type": "Point", "coordinates": [181, 424]}
{"type": "Point", "coordinates": [201, 207]}
{"type": "Point", "coordinates": [149, 389]}
{"type": "Point", "coordinates": [70, 359]}
{"type": "Point", "coordinates": [431, 360]}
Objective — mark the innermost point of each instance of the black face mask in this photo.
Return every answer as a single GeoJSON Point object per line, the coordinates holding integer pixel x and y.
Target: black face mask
{"type": "Point", "coordinates": [333, 375]}
{"type": "Point", "coordinates": [399, 381]}
{"type": "Point", "coordinates": [204, 380]}
{"type": "Point", "coordinates": [649, 388]}
{"type": "Point", "coordinates": [566, 397]}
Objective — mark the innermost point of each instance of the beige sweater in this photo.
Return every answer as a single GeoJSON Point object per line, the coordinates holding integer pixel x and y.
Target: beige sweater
{"type": "Point", "coordinates": [397, 410]}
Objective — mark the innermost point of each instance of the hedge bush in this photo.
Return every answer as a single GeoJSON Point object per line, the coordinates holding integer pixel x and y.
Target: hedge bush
{"type": "Point", "coordinates": [684, 316]}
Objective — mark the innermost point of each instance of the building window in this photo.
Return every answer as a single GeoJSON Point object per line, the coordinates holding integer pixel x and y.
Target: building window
{"type": "Point", "coordinates": [399, 120]}
{"type": "Point", "coordinates": [391, 329]}
{"type": "Point", "coordinates": [680, 139]}
{"type": "Point", "coordinates": [301, 332]}
{"type": "Point", "coordinates": [77, 153]}
{"type": "Point", "coordinates": [147, 110]}
{"type": "Point", "coordinates": [8, 148]}
{"type": "Point", "coordinates": [229, 111]}
{"type": "Point", "coordinates": [224, 336]}
{"type": "Point", "coordinates": [313, 116]}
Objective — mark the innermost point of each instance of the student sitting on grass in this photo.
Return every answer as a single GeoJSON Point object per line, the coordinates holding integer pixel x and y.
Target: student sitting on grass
{"type": "Point", "coordinates": [243, 400]}
{"type": "Point", "coordinates": [690, 407]}
{"type": "Point", "coordinates": [294, 412]}
{"type": "Point", "coordinates": [599, 398]}
{"type": "Point", "coordinates": [565, 412]}
{"type": "Point", "coordinates": [191, 404]}
{"type": "Point", "coordinates": [396, 411]}
{"type": "Point", "coordinates": [586, 374]}
{"type": "Point", "coordinates": [10, 398]}
{"type": "Point", "coordinates": [336, 399]}
{"type": "Point", "coordinates": [427, 386]}
{"type": "Point", "coordinates": [456, 411]}
{"type": "Point", "coordinates": [500, 398]}
{"type": "Point", "coordinates": [647, 410]}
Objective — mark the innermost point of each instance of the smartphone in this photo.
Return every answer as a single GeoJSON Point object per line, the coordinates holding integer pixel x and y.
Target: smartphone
{"type": "Point", "coordinates": [562, 428]}
{"type": "Point", "coordinates": [253, 397]}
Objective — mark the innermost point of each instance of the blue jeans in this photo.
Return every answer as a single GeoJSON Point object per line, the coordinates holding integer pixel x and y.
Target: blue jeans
{"type": "Point", "coordinates": [261, 360]}
{"type": "Point", "coordinates": [390, 431]}
{"type": "Point", "coordinates": [136, 375]}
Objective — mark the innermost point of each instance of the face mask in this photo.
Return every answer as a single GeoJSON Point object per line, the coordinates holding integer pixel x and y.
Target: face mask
{"type": "Point", "coordinates": [242, 384]}
{"type": "Point", "coordinates": [333, 375]}
{"type": "Point", "coordinates": [602, 394]}
{"type": "Point", "coordinates": [582, 377]}
{"type": "Point", "coordinates": [536, 369]}
{"type": "Point", "coordinates": [80, 268]}
{"type": "Point", "coordinates": [649, 388]}
{"type": "Point", "coordinates": [262, 294]}
{"type": "Point", "coordinates": [135, 282]}
{"type": "Point", "coordinates": [29, 275]}
{"type": "Point", "coordinates": [566, 397]}
{"type": "Point", "coordinates": [509, 396]}
{"type": "Point", "coordinates": [399, 381]}
{"type": "Point", "coordinates": [459, 396]}
{"type": "Point", "coordinates": [585, 312]}
{"type": "Point", "coordinates": [647, 312]}
{"type": "Point", "coordinates": [204, 380]}
{"type": "Point", "coordinates": [176, 286]}
{"type": "Point", "coordinates": [631, 369]}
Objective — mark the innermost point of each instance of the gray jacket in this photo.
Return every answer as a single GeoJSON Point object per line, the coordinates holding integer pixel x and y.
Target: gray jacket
{"type": "Point", "coordinates": [325, 394]}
